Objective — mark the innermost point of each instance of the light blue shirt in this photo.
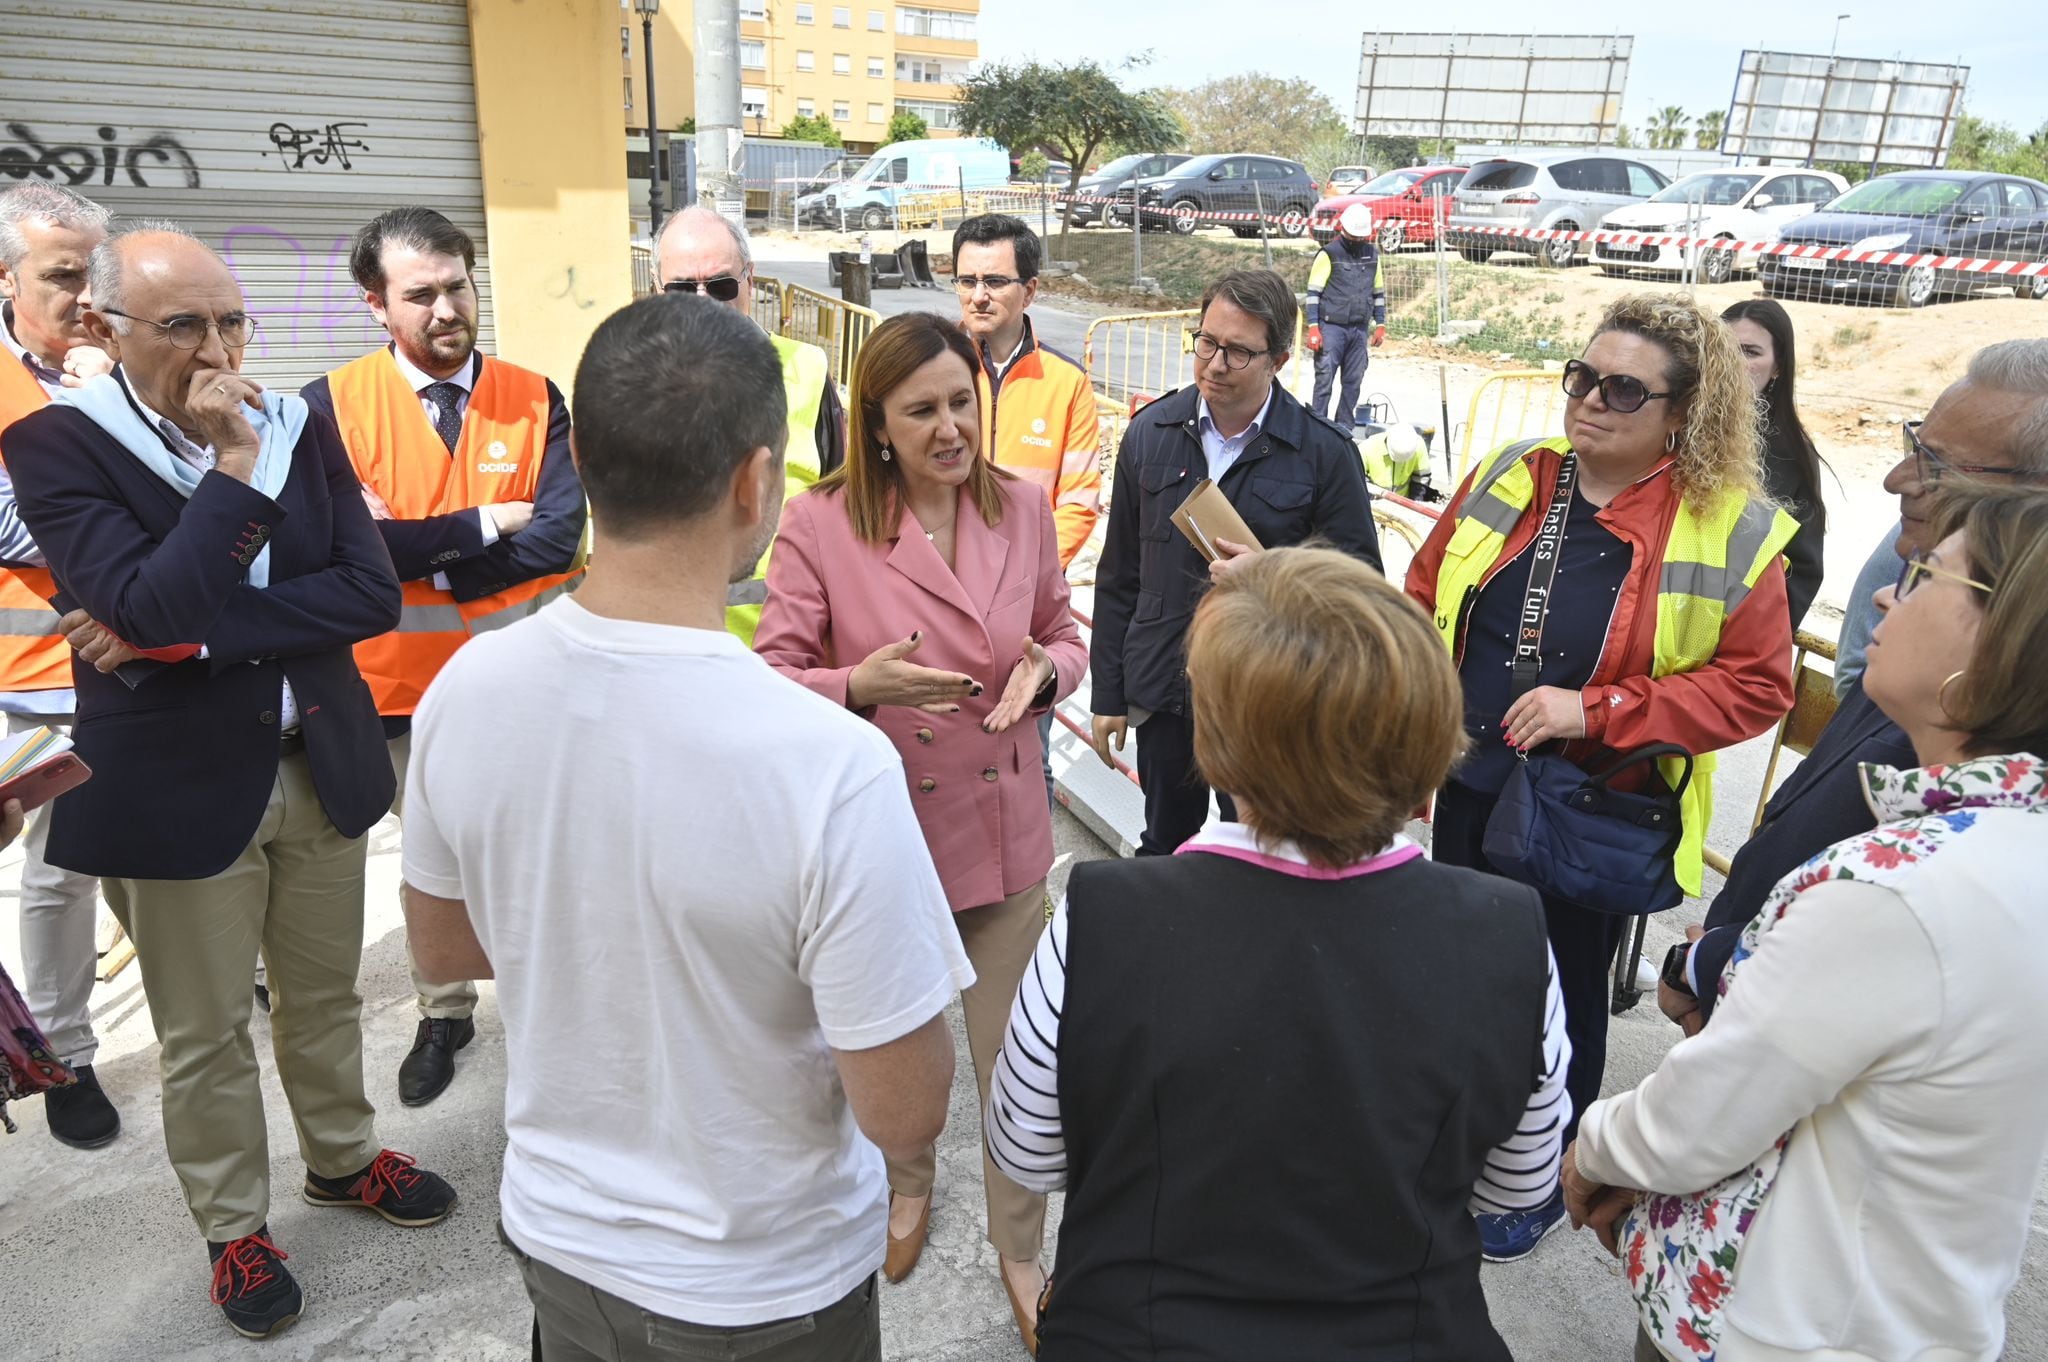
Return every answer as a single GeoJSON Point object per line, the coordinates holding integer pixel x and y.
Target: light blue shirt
{"type": "Point", "coordinates": [1222, 450]}
{"type": "Point", "coordinates": [1859, 615]}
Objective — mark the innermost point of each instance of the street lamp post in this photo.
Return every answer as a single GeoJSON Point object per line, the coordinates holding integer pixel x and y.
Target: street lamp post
{"type": "Point", "coordinates": [1836, 41]}
{"type": "Point", "coordinates": [648, 9]}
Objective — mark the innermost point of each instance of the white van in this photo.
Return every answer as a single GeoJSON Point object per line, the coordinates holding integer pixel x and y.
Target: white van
{"type": "Point", "coordinates": [931, 165]}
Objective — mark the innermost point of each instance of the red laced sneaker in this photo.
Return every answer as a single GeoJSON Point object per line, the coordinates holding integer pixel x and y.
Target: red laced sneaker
{"type": "Point", "coordinates": [393, 1186]}
{"type": "Point", "coordinates": [251, 1286]}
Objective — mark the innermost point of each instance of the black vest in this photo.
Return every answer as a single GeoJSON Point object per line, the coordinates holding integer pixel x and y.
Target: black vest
{"type": "Point", "coordinates": [1277, 1095]}
{"type": "Point", "coordinates": [1347, 294]}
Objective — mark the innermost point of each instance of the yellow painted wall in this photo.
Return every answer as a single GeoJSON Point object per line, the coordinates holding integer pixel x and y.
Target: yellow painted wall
{"type": "Point", "coordinates": [554, 168]}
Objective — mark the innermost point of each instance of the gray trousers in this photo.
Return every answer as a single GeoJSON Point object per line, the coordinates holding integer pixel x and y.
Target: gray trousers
{"type": "Point", "coordinates": [59, 957]}
{"type": "Point", "coordinates": [575, 1322]}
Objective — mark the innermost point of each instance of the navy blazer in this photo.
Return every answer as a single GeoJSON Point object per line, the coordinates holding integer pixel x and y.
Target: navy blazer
{"type": "Point", "coordinates": [184, 762]}
{"type": "Point", "coordinates": [1827, 791]}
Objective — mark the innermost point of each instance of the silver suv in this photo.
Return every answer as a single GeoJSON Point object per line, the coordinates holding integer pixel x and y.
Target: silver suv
{"type": "Point", "coordinates": [1564, 191]}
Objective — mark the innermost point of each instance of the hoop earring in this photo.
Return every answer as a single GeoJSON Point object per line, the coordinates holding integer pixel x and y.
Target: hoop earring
{"type": "Point", "coordinates": [1941, 695]}
{"type": "Point", "coordinates": [1671, 442]}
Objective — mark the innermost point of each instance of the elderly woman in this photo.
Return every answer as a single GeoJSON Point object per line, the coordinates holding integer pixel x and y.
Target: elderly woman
{"type": "Point", "coordinates": [1272, 1121]}
{"type": "Point", "coordinates": [1869, 1109]}
{"type": "Point", "coordinates": [1664, 620]}
{"type": "Point", "coordinates": [920, 585]}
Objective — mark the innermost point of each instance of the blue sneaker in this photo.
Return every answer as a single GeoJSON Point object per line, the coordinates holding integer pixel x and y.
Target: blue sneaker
{"type": "Point", "coordinates": [1505, 1238]}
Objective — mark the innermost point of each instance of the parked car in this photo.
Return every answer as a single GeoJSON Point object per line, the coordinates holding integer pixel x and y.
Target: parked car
{"type": "Point", "coordinates": [1966, 213]}
{"type": "Point", "coordinates": [1563, 191]}
{"type": "Point", "coordinates": [868, 199]}
{"type": "Point", "coordinates": [1347, 179]}
{"type": "Point", "coordinates": [1104, 181]}
{"type": "Point", "coordinates": [1226, 184]}
{"type": "Point", "coordinates": [1403, 204]}
{"type": "Point", "coordinates": [1751, 204]}
{"type": "Point", "coordinates": [1057, 171]}
{"type": "Point", "coordinates": [835, 171]}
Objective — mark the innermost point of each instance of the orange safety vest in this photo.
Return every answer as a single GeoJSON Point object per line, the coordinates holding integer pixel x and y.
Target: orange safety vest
{"type": "Point", "coordinates": [33, 655]}
{"type": "Point", "coordinates": [399, 456]}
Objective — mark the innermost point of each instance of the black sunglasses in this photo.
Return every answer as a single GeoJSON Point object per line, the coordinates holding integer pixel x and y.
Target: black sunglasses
{"type": "Point", "coordinates": [723, 287]}
{"type": "Point", "coordinates": [1619, 392]}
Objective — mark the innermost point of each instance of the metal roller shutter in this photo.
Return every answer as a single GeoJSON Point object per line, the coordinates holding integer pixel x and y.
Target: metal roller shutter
{"type": "Point", "coordinates": [274, 130]}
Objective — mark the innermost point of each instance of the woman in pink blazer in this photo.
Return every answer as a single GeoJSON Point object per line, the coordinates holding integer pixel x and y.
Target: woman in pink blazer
{"type": "Point", "coordinates": [921, 585]}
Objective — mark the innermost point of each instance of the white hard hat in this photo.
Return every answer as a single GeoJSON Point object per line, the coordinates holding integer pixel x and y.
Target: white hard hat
{"type": "Point", "coordinates": [1402, 441]}
{"type": "Point", "coordinates": [1355, 220]}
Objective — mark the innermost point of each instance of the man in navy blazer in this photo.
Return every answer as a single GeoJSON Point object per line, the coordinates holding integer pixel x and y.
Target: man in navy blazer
{"type": "Point", "coordinates": [218, 561]}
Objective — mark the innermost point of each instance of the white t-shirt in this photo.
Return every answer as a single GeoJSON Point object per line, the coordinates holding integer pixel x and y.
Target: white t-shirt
{"type": "Point", "coordinates": [691, 876]}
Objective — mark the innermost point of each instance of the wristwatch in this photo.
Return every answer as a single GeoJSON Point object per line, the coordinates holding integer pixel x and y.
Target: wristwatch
{"type": "Point", "coordinates": [1675, 961]}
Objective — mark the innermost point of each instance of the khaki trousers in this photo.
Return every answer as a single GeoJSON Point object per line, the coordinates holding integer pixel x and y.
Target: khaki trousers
{"type": "Point", "coordinates": [456, 1000]}
{"type": "Point", "coordinates": [296, 894]}
{"type": "Point", "coordinates": [999, 938]}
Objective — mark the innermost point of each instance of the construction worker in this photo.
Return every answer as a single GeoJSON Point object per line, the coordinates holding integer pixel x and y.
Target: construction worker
{"type": "Point", "coordinates": [702, 252]}
{"type": "Point", "coordinates": [465, 462]}
{"type": "Point", "coordinates": [47, 235]}
{"type": "Point", "coordinates": [1396, 459]}
{"type": "Point", "coordinates": [1346, 312]}
{"type": "Point", "coordinates": [1037, 406]}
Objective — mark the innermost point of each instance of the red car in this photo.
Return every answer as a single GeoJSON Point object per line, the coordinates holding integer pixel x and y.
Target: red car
{"type": "Point", "coordinates": [1404, 205]}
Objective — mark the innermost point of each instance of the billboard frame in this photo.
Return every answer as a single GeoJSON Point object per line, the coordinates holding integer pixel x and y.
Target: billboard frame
{"type": "Point", "coordinates": [1881, 152]}
{"type": "Point", "coordinates": [1451, 48]}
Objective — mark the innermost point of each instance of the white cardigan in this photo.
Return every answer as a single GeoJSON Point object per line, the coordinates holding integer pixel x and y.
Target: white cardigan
{"type": "Point", "coordinates": [1899, 1028]}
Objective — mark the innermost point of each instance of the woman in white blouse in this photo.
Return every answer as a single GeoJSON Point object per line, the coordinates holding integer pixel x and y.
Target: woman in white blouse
{"type": "Point", "coordinates": [1841, 1166]}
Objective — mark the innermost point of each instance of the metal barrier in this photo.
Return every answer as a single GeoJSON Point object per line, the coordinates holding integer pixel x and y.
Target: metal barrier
{"type": "Point", "coordinates": [643, 271]}
{"type": "Point", "coordinates": [837, 327]}
{"type": "Point", "coordinates": [767, 309]}
{"type": "Point", "coordinates": [1517, 405]}
{"type": "Point", "coordinates": [1144, 354]}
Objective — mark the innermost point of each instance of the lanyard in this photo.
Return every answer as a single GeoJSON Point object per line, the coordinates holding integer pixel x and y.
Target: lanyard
{"type": "Point", "coordinates": [1542, 573]}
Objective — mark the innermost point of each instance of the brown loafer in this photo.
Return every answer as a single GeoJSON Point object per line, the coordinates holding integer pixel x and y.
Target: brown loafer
{"type": "Point", "coordinates": [904, 1253]}
{"type": "Point", "coordinates": [1025, 1311]}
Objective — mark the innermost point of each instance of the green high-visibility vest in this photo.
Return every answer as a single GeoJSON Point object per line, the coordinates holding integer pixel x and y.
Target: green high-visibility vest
{"type": "Point", "coordinates": [804, 376]}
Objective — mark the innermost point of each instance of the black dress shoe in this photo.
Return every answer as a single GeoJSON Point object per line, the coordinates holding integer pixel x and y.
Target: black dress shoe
{"type": "Point", "coordinates": [431, 1065]}
{"type": "Point", "coordinates": [80, 1115]}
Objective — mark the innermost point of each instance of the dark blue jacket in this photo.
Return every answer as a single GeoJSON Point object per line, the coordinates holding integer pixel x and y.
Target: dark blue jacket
{"type": "Point", "coordinates": [1301, 479]}
{"type": "Point", "coordinates": [184, 762]}
{"type": "Point", "coordinates": [1820, 804]}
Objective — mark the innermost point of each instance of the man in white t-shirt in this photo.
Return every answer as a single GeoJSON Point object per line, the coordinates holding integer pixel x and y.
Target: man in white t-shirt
{"type": "Point", "coordinates": [722, 953]}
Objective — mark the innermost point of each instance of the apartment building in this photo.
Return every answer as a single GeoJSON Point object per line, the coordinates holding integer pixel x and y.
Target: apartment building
{"type": "Point", "coordinates": [856, 64]}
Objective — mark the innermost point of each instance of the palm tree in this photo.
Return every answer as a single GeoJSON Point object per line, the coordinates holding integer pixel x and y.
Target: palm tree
{"type": "Point", "coordinates": [1667, 127]}
{"type": "Point", "coordinates": [1707, 133]}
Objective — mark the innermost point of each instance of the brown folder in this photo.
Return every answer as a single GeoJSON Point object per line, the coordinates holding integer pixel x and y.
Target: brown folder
{"type": "Point", "coordinates": [1207, 516]}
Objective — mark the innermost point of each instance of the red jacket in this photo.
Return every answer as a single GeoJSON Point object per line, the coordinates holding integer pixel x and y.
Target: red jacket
{"type": "Point", "coordinates": [1742, 692]}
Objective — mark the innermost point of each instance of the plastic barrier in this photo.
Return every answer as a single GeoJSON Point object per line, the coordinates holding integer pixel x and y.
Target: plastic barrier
{"type": "Point", "coordinates": [1518, 405]}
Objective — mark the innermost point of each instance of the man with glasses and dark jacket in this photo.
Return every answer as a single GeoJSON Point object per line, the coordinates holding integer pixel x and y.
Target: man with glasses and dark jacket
{"type": "Point", "coordinates": [1291, 475]}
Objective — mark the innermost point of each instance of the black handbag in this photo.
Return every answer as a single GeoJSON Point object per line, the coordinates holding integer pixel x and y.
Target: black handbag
{"type": "Point", "coordinates": [1567, 831]}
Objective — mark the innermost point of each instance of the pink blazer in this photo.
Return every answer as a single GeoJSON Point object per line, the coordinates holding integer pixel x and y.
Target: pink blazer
{"type": "Point", "coordinates": [833, 599]}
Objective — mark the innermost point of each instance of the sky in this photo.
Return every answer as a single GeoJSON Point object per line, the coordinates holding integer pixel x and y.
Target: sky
{"type": "Point", "coordinates": [1678, 59]}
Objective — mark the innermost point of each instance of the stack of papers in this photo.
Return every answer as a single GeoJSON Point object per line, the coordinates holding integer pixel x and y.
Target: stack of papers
{"type": "Point", "coordinates": [37, 765]}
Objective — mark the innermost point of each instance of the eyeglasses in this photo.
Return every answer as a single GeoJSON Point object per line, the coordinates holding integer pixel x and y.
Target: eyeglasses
{"type": "Point", "coordinates": [1929, 467]}
{"type": "Point", "coordinates": [1916, 567]}
{"type": "Point", "coordinates": [994, 283]}
{"type": "Point", "coordinates": [189, 333]}
{"type": "Point", "coordinates": [1618, 392]}
{"type": "Point", "coordinates": [1206, 348]}
{"type": "Point", "coordinates": [723, 287]}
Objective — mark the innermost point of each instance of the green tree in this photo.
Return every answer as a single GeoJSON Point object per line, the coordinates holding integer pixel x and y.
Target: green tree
{"type": "Point", "coordinates": [813, 128]}
{"type": "Point", "coordinates": [1667, 127]}
{"type": "Point", "coordinates": [1075, 110]}
{"type": "Point", "coordinates": [1623, 138]}
{"type": "Point", "coordinates": [907, 127]}
{"type": "Point", "coordinates": [1255, 112]}
{"type": "Point", "coordinates": [1980, 145]}
{"type": "Point", "coordinates": [688, 127]}
{"type": "Point", "coordinates": [1707, 129]}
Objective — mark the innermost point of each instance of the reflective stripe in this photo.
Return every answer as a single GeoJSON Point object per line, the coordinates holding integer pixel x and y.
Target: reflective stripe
{"type": "Point", "coordinates": [431, 619]}
{"type": "Point", "coordinates": [751, 592]}
{"type": "Point", "coordinates": [1704, 580]}
{"type": "Point", "coordinates": [1495, 514]}
{"type": "Point", "coordinates": [28, 623]}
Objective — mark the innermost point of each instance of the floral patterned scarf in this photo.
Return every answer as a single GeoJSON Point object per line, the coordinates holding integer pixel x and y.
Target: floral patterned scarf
{"type": "Point", "coordinates": [1680, 1252]}
{"type": "Point", "coordinates": [26, 1065]}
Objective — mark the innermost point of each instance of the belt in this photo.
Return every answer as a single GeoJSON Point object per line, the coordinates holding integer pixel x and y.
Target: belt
{"type": "Point", "coordinates": [292, 744]}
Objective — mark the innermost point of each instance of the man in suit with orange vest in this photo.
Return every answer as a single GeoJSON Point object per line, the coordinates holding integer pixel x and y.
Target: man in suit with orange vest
{"type": "Point", "coordinates": [465, 462]}
{"type": "Point", "coordinates": [47, 234]}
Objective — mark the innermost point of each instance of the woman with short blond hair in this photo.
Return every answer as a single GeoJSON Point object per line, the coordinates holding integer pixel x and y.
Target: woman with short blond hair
{"type": "Point", "coordinates": [1272, 1118]}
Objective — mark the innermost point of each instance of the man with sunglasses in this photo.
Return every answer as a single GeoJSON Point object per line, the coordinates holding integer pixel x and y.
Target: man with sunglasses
{"type": "Point", "coordinates": [1291, 475]}
{"type": "Point", "coordinates": [1992, 425]}
{"type": "Point", "coordinates": [465, 465]}
{"type": "Point", "coordinates": [238, 763]}
{"type": "Point", "coordinates": [702, 251]}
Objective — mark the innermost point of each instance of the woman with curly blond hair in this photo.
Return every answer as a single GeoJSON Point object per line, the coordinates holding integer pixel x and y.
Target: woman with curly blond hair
{"type": "Point", "coordinates": [1657, 615]}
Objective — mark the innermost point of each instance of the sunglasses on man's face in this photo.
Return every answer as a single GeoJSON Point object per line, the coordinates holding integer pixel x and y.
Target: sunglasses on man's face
{"type": "Point", "coordinates": [723, 287]}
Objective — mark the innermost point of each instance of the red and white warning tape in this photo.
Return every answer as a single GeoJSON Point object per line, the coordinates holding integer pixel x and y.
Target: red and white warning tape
{"type": "Point", "coordinates": [1843, 254]}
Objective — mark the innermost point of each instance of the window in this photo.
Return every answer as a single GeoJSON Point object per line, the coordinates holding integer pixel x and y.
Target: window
{"type": "Point", "coordinates": [625, 43]}
{"type": "Point", "coordinates": [806, 14]}
{"type": "Point", "coordinates": [629, 92]}
{"type": "Point", "coordinates": [1980, 200]}
{"type": "Point", "coordinates": [841, 111]}
{"type": "Point", "coordinates": [899, 170]}
{"type": "Point", "coordinates": [877, 68]}
{"type": "Point", "coordinates": [1643, 181]}
{"type": "Point", "coordinates": [842, 65]}
{"type": "Point", "coordinates": [753, 102]}
{"type": "Point", "coordinates": [2018, 198]}
{"type": "Point", "coordinates": [1499, 175]}
{"type": "Point", "coordinates": [842, 17]}
{"type": "Point", "coordinates": [931, 70]}
{"type": "Point", "coordinates": [935, 23]}
{"type": "Point", "coordinates": [753, 54]}
{"type": "Point", "coordinates": [936, 116]}
{"type": "Point", "coordinates": [877, 21]}
{"type": "Point", "coordinates": [806, 61]}
{"type": "Point", "coordinates": [754, 9]}
{"type": "Point", "coordinates": [806, 108]}
{"type": "Point", "coordinates": [875, 114]}
{"type": "Point", "coordinates": [1271, 170]}
{"type": "Point", "coordinates": [1805, 189]}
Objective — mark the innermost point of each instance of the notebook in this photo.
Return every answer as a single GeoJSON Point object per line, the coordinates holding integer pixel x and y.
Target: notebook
{"type": "Point", "coordinates": [1207, 516]}
{"type": "Point", "coordinates": [37, 765]}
